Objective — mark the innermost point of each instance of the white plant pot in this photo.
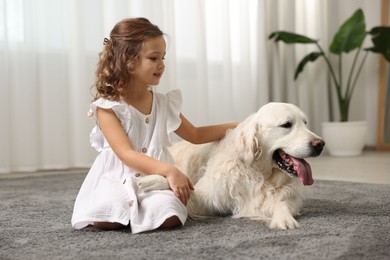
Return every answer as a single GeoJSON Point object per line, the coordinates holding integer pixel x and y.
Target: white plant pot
{"type": "Point", "coordinates": [345, 138]}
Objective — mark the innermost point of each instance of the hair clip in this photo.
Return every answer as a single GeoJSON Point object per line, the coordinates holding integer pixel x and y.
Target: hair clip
{"type": "Point", "coordinates": [105, 41]}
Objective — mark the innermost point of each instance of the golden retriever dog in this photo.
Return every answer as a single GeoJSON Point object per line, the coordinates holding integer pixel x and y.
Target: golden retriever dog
{"type": "Point", "coordinates": [256, 171]}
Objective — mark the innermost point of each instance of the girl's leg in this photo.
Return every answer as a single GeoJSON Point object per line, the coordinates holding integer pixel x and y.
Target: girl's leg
{"type": "Point", "coordinates": [108, 225]}
{"type": "Point", "coordinates": [171, 222]}
{"type": "Point", "coordinates": [160, 205]}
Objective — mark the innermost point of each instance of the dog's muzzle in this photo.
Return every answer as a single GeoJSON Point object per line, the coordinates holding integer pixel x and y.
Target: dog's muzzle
{"type": "Point", "coordinates": [298, 167]}
{"type": "Point", "coordinates": [294, 167]}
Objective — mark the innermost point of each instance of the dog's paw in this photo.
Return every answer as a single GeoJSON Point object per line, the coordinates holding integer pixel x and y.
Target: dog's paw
{"type": "Point", "coordinates": [153, 182]}
{"type": "Point", "coordinates": [282, 219]}
{"type": "Point", "coordinates": [286, 222]}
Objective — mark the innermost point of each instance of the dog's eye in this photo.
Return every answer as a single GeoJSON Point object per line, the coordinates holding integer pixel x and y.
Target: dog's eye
{"type": "Point", "coordinates": [286, 125]}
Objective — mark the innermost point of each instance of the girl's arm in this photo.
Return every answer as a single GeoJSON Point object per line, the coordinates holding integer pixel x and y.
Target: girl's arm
{"type": "Point", "coordinates": [122, 147]}
{"type": "Point", "coordinates": [204, 134]}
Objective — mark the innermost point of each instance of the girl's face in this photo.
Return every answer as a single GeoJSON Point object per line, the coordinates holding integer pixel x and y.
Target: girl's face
{"type": "Point", "coordinates": [150, 64]}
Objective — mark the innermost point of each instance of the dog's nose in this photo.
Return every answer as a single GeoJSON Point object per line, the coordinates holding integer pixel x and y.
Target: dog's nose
{"type": "Point", "coordinates": [318, 144]}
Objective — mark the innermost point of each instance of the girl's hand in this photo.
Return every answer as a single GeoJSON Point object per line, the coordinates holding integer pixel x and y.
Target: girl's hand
{"type": "Point", "coordinates": [180, 184]}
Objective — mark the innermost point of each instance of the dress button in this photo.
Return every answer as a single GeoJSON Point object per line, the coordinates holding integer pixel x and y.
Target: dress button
{"type": "Point", "coordinates": [147, 120]}
{"type": "Point", "coordinates": [137, 174]}
{"type": "Point", "coordinates": [144, 150]}
{"type": "Point", "coordinates": [130, 203]}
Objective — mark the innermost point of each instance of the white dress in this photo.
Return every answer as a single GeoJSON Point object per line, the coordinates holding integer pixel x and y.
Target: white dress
{"type": "Point", "coordinates": [109, 192]}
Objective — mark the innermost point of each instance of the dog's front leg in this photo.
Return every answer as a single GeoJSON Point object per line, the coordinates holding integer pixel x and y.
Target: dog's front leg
{"type": "Point", "coordinates": [282, 217]}
{"type": "Point", "coordinates": [153, 182]}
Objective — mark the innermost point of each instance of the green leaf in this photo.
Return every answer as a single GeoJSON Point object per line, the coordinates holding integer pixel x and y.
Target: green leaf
{"type": "Point", "coordinates": [288, 37]}
{"type": "Point", "coordinates": [380, 37]}
{"type": "Point", "coordinates": [350, 35]}
{"type": "Point", "coordinates": [310, 57]}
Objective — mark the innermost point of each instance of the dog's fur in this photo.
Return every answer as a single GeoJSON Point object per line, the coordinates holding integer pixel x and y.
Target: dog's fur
{"type": "Point", "coordinates": [238, 176]}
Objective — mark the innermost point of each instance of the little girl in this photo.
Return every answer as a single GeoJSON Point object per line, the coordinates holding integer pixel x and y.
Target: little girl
{"type": "Point", "coordinates": [133, 122]}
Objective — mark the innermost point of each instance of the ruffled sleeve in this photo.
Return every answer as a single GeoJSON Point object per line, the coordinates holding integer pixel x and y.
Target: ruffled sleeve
{"type": "Point", "coordinates": [121, 111]}
{"type": "Point", "coordinates": [174, 108]}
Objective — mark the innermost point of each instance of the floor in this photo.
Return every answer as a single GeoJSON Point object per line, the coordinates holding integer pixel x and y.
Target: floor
{"type": "Point", "coordinates": [371, 167]}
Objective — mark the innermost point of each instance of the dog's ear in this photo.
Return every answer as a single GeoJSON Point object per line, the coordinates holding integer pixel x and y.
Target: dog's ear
{"type": "Point", "coordinates": [249, 147]}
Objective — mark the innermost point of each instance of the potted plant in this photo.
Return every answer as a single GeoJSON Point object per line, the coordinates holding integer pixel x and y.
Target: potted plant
{"type": "Point", "coordinates": [349, 37]}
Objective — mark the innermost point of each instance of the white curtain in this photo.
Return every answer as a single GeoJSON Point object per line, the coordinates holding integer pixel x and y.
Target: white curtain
{"type": "Point", "coordinates": [49, 50]}
{"type": "Point", "coordinates": [218, 55]}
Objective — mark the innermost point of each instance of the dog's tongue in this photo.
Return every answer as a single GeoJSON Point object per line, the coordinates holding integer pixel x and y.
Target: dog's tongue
{"type": "Point", "coordinates": [303, 170]}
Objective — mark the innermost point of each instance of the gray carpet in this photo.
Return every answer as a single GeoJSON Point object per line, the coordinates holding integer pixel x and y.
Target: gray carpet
{"type": "Point", "coordinates": [340, 220]}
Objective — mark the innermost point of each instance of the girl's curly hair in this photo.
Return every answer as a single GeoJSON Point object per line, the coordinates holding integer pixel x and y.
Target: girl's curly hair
{"type": "Point", "coordinates": [116, 61]}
